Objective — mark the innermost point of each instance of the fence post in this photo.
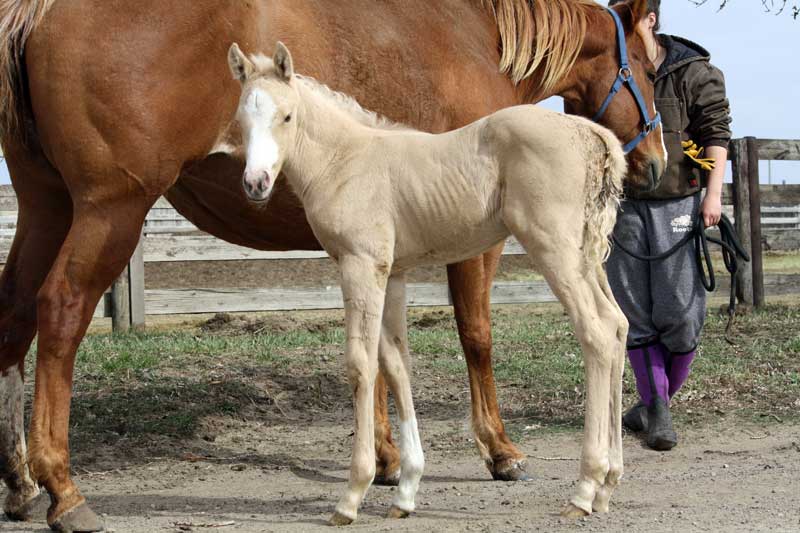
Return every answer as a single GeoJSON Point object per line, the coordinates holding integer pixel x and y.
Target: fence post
{"type": "Point", "coordinates": [136, 277]}
{"type": "Point", "coordinates": [127, 295]}
{"type": "Point", "coordinates": [741, 214]}
{"type": "Point", "coordinates": [121, 303]}
{"type": "Point", "coordinates": [755, 222]}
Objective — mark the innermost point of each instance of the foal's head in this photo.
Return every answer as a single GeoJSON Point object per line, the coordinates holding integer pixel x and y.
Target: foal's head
{"type": "Point", "coordinates": [267, 115]}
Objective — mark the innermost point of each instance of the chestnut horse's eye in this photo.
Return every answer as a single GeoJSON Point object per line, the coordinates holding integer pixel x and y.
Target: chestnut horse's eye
{"type": "Point", "coordinates": [288, 118]}
{"type": "Point", "coordinates": [651, 76]}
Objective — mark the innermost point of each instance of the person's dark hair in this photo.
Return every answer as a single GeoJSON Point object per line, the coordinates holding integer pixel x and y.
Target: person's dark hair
{"type": "Point", "coordinates": [653, 6]}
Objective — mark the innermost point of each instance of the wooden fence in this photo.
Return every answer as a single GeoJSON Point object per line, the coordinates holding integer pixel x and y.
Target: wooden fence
{"type": "Point", "coordinates": [169, 237]}
{"type": "Point", "coordinates": [745, 155]}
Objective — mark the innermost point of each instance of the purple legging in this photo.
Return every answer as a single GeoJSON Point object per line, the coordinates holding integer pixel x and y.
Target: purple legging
{"type": "Point", "coordinates": [679, 365]}
{"type": "Point", "coordinates": [658, 372]}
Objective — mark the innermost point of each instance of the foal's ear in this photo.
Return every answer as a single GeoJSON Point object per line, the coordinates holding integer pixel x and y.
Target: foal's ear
{"type": "Point", "coordinates": [283, 61]}
{"type": "Point", "coordinates": [241, 67]}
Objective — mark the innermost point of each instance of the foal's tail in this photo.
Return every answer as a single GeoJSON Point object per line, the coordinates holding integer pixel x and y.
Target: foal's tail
{"type": "Point", "coordinates": [603, 191]}
{"type": "Point", "coordinates": [18, 18]}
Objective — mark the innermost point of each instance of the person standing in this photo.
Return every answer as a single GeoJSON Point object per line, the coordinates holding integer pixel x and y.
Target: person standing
{"type": "Point", "coordinates": [664, 300]}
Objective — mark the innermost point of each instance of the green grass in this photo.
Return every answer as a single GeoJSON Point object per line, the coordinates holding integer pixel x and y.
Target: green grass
{"type": "Point", "coordinates": [155, 387]}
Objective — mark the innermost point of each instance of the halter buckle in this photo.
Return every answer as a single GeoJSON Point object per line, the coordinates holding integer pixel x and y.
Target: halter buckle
{"type": "Point", "coordinates": [625, 73]}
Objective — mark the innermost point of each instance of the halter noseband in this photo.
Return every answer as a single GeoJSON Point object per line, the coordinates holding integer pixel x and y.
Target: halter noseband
{"type": "Point", "coordinates": [625, 77]}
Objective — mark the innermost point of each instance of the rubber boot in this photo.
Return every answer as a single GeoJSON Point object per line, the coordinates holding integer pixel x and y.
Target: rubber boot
{"type": "Point", "coordinates": [660, 434]}
{"type": "Point", "coordinates": [636, 418]}
{"type": "Point", "coordinates": [649, 369]}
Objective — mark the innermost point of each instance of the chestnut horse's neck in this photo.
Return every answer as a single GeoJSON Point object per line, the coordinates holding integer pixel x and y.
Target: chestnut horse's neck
{"type": "Point", "coordinates": [546, 43]}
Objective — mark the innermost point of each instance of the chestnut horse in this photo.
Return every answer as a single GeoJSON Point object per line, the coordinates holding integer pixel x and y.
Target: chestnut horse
{"type": "Point", "coordinates": [93, 139]}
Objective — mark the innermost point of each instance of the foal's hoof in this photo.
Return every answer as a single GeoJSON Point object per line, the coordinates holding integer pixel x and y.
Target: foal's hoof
{"type": "Point", "coordinates": [387, 480]}
{"type": "Point", "coordinates": [513, 471]}
{"type": "Point", "coordinates": [79, 520]}
{"type": "Point", "coordinates": [572, 512]}
{"type": "Point", "coordinates": [338, 519]}
{"type": "Point", "coordinates": [25, 507]}
{"type": "Point", "coordinates": [396, 512]}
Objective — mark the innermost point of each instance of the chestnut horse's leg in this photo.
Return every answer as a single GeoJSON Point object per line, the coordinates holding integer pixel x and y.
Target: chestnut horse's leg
{"type": "Point", "coordinates": [45, 212]}
{"type": "Point", "coordinates": [470, 288]}
{"type": "Point", "coordinates": [364, 291]}
{"type": "Point", "coordinates": [387, 455]}
{"type": "Point", "coordinates": [104, 233]}
{"type": "Point", "coordinates": [395, 363]}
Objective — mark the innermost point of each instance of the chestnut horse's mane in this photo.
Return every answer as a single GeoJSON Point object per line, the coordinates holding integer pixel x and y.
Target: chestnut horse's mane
{"type": "Point", "coordinates": [18, 18]}
{"type": "Point", "coordinates": [540, 35]}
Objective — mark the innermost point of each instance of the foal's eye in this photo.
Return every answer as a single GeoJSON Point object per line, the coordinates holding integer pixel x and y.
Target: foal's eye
{"type": "Point", "coordinates": [651, 76]}
{"type": "Point", "coordinates": [288, 118]}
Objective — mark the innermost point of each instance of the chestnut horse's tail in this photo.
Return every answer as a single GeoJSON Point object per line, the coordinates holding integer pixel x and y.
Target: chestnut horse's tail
{"type": "Point", "coordinates": [18, 18]}
{"type": "Point", "coordinates": [603, 191]}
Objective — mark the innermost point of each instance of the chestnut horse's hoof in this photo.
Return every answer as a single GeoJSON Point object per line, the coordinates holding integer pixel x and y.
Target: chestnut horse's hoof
{"type": "Point", "coordinates": [338, 519]}
{"type": "Point", "coordinates": [396, 512]}
{"type": "Point", "coordinates": [22, 507]}
{"type": "Point", "coordinates": [510, 471]}
{"type": "Point", "coordinates": [572, 511]}
{"type": "Point", "coordinates": [79, 520]}
{"type": "Point", "coordinates": [387, 480]}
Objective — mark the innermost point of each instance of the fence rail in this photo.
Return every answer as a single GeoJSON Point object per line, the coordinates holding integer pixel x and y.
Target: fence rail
{"type": "Point", "coordinates": [745, 155]}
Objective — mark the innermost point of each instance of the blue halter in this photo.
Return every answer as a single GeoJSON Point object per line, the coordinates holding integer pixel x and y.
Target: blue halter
{"type": "Point", "coordinates": [625, 77]}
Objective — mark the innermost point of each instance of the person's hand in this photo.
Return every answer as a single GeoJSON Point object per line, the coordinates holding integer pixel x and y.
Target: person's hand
{"type": "Point", "coordinates": [711, 210]}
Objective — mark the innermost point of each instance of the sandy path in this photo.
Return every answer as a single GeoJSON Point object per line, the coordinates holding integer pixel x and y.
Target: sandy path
{"type": "Point", "coordinates": [284, 478]}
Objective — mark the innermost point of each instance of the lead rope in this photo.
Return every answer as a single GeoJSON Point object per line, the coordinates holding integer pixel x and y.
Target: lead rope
{"type": "Point", "coordinates": [731, 252]}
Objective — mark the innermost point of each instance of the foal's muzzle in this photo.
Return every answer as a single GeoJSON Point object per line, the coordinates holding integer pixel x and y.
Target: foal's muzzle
{"type": "Point", "coordinates": [257, 186]}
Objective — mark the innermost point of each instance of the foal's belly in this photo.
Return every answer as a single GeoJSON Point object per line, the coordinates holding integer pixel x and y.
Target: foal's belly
{"type": "Point", "coordinates": [455, 254]}
{"type": "Point", "coordinates": [446, 243]}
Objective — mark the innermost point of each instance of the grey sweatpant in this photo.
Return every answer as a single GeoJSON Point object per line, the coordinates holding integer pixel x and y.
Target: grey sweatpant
{"type": "Point", "coordinates": [664, 300]}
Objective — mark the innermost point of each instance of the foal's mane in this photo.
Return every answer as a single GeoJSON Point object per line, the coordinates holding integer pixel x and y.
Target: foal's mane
{"type": "Point", "coordinates": [540, 35]}
{"type": "Point", "coordinates": [341, 101]}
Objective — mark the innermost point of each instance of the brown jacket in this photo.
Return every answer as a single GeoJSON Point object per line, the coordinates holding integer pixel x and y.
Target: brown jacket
{"type": "Point", "coordinates": [690, 95]}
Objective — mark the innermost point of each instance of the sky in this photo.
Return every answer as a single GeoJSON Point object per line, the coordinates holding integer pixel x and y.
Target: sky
{"type": "Point", "coordinates": [756, 51]}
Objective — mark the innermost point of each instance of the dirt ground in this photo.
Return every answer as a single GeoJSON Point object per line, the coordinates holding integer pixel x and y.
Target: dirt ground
{"type": "Point", "coordinates": [210, 439]}
{"type": "Point", "coordinates": [287, 478]}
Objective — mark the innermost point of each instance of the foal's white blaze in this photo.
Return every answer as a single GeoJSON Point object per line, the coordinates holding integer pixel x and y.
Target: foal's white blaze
{"type": "Point", "coordinates": [263, 152]}
{"type": "Point", "coordinates": [412, 463]}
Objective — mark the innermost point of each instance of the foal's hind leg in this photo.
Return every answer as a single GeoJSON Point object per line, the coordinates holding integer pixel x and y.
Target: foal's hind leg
{"type": "Point", "coordinates": [395, 363]}
{"type": "Point", "coordinates": [603, 294]}
{"type": "Point", "coordinates": [363, 289]}
{"type": "Point", "coordinates": [44, 216]}
{"type": "Point", "coordinates": [596, 324]}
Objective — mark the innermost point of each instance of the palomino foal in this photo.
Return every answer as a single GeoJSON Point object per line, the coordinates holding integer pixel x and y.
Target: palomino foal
{"type": "Point", "coordinates": [382, 198]}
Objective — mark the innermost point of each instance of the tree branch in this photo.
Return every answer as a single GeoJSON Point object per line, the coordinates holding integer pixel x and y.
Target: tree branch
{"type": "Point", "coordinates": [775, 7]}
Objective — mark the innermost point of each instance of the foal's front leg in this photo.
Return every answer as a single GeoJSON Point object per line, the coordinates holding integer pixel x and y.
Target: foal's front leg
{"type": "Point", "coordinates": [395, 364]}
{"type": "Point", "coordinates": [363, 289]}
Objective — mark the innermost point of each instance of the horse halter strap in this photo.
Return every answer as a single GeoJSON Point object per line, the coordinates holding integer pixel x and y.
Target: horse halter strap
{"type": "Point", "coordinates": [625, 77]}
